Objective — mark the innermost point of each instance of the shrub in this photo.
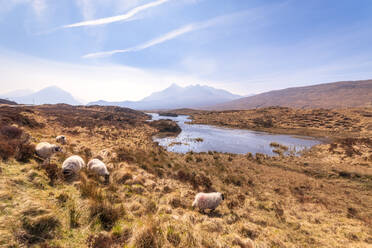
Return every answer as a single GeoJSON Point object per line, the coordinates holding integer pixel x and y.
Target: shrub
{"type": "Point", "coordinates": [248, 232]}
{"type": "Point", "coordinates": [106, 213]}
{"type": "Point", "coordinates": [166, 126]}
{"type": "Point", "coordinates": [189, 159]}
{"type": "Point", "coordinates": [265, 121]}
{"type": "Point", "coordinates": [204, 181]}
{"type": "Point", "coordinates": [101, 240]}
{"type": "Point", "coordinates": [7, 150]}
{"type": "Point", "coordinates": [62, 198]}
{"type": "Point", "coordinates": [249, 156]}
{"type": "Point", "coordinates": [120, 177]}
{"type": "Point", "coordinates": [25, 152]}
{"type": "Point", "coordinates": [194, 179]}
{"type": "Point", "coordinates": [40, 227]}
{"type": "Point", "coordinates": [89, 188]}
{"type": "Point", "coordinates": [15, 143]}
{"type": "Point", "coordinates": [11, 132]}
{"type": "Point", "coordinates": [149, 237]}
{"type": "Point", "coordinates": [121, 234]}
{"type": "Point", "coordinates": [173, 237]}
{"type": "Point", "coordinates": [237, 180]}
{"type": "Point", "coordinates": [124, 155]}
{"type": "Point", "coordinates": [151, 207]}
{"type": "Point", "coordinates": [175, 202]}
{"type": "Point", "coordinates": [53, 172]}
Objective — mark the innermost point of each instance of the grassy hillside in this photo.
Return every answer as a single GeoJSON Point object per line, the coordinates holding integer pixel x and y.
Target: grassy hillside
{"type": "Point", "coordinates": [331, 95]}
{"type": "Point", "coordinates": [352, 122]}
{"type": "Point", "coordinates": [319, 199]}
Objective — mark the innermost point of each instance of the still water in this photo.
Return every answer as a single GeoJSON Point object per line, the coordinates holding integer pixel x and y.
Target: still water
{"type": "Point", "coordinates": [204, 138]}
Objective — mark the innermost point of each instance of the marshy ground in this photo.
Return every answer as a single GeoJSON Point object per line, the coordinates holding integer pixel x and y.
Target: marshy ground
{"type": "Point", "coordinates": [320, 199]}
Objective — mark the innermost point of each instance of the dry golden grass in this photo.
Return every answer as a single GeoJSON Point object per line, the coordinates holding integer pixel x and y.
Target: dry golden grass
{"type": "Point", "coordinates": [319, 199]}
{"type": "Point", "coordinates": [313, 122]}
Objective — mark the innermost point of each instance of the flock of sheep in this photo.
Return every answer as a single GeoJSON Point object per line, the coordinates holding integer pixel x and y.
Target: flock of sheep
{"type": "Point", "coordinates": [73, 164]}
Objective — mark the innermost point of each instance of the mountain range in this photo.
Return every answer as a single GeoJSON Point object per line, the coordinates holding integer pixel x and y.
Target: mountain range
{"type": "Point", "coordinates": [194, 96]}
{"type": "Point", "coordinates": [346, 94]}
{"type": "Point", "coordinates": [49, 95]}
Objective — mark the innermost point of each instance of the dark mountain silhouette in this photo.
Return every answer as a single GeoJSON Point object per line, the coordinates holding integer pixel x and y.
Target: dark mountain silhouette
{"type": "Point", "coordinates": [3, 101]}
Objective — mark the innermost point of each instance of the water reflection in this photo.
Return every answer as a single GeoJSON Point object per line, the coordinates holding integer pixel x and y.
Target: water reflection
{"type": "Point", "coordinates": [204, 138]}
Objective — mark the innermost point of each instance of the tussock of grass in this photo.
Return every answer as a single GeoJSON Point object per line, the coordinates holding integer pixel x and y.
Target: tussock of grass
{"type": "Point", "coordinates": [173, 237]}
{"type": "Point", "coordinates": [149, 236]}
{"type": "Point", "coordinates": [38, 226]}
{"type": "Point", "coordinates": [14, 142]}
{"type": "Point", "coordinates": [106, 213]}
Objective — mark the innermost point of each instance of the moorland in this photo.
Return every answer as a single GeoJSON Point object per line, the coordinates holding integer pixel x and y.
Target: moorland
{"type": "Point", "coordinates": [321, 198]}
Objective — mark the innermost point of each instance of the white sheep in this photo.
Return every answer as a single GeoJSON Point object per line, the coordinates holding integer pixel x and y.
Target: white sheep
{"type": "Point", "coordinates": [99, 168]}
{"type": "Point", "coordinates": [72, 165]}
{"type": "Point", "coordinates": [46, 150]}
{"type": "Point", "coordinates": [61, 139]}
{"type": "Point", "coordinates": [208, 200]}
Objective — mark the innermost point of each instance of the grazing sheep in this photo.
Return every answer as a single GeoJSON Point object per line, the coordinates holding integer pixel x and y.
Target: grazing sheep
{"type": "Point", "coordinates": [72, 165]}
{"type": "Point", "coordinates": [99, 168]}
{"type": "Point", "coordinates": [208, 200]}
{"type": "Point", "coordinates": [46, 150]}
{"type": "Point", "coordinates": [61, 139]}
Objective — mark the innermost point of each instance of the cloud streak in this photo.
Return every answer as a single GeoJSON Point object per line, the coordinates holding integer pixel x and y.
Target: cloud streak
{"type": "Point", "coordinates": [117, 18]}
{"type": "Point", "coordinates": [166, 37]}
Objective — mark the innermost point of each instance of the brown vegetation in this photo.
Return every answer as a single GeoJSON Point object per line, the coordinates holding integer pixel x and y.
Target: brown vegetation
{"type": "Point", "coordinates": [15, 143]}
{"type": "Point", "coordinates": [166, 127]}
{"type": "Point", "coordinates": [319, 199]}
{"type": "Point", "coordinates": [330, 95]}
{"type": "Point", "coordinates": [311, 122]}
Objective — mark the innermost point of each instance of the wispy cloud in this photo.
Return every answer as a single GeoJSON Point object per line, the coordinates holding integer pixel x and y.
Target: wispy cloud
{"type": "Point", "coordinates": [117, 18]}
{"type": "Point", "coordinates": [166, 37]}
{"type": "Point", "coordinates": [39, 6]}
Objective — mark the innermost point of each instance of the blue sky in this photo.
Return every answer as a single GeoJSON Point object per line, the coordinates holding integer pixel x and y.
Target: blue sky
{"type": "Point", "coordinates": [126, 49]}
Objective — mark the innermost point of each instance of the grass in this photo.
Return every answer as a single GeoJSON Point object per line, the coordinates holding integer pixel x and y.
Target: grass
{"type": "Point", "coordinates": [322, 123]}
{"type": "Point", "coordinates": [319, 199]}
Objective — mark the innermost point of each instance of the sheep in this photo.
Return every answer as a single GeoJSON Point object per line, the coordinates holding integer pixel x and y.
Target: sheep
{"type": "Point", "coordinates": [208, 200]}
{"type": "Point", "coordinates": [61, 139]}
{"type": "Point", "coordinates": [46, 150]}
{"type": "Point", "coordinates": [99, 168]}
{"type": "Point", "coordinates": [72, 165]}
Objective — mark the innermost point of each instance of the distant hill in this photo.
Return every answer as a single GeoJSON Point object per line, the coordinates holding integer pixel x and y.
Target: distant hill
{"type": "Point", "coordinates": [49, 95]}
{"type": "Point", "coordinates": [330, 95]}
{"type": "Point", "coordinates": [16, 93]}
{"type": "Point", "coordinates": [193, 96]}
{"type": "Point", "coordinates": [3, 101]}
